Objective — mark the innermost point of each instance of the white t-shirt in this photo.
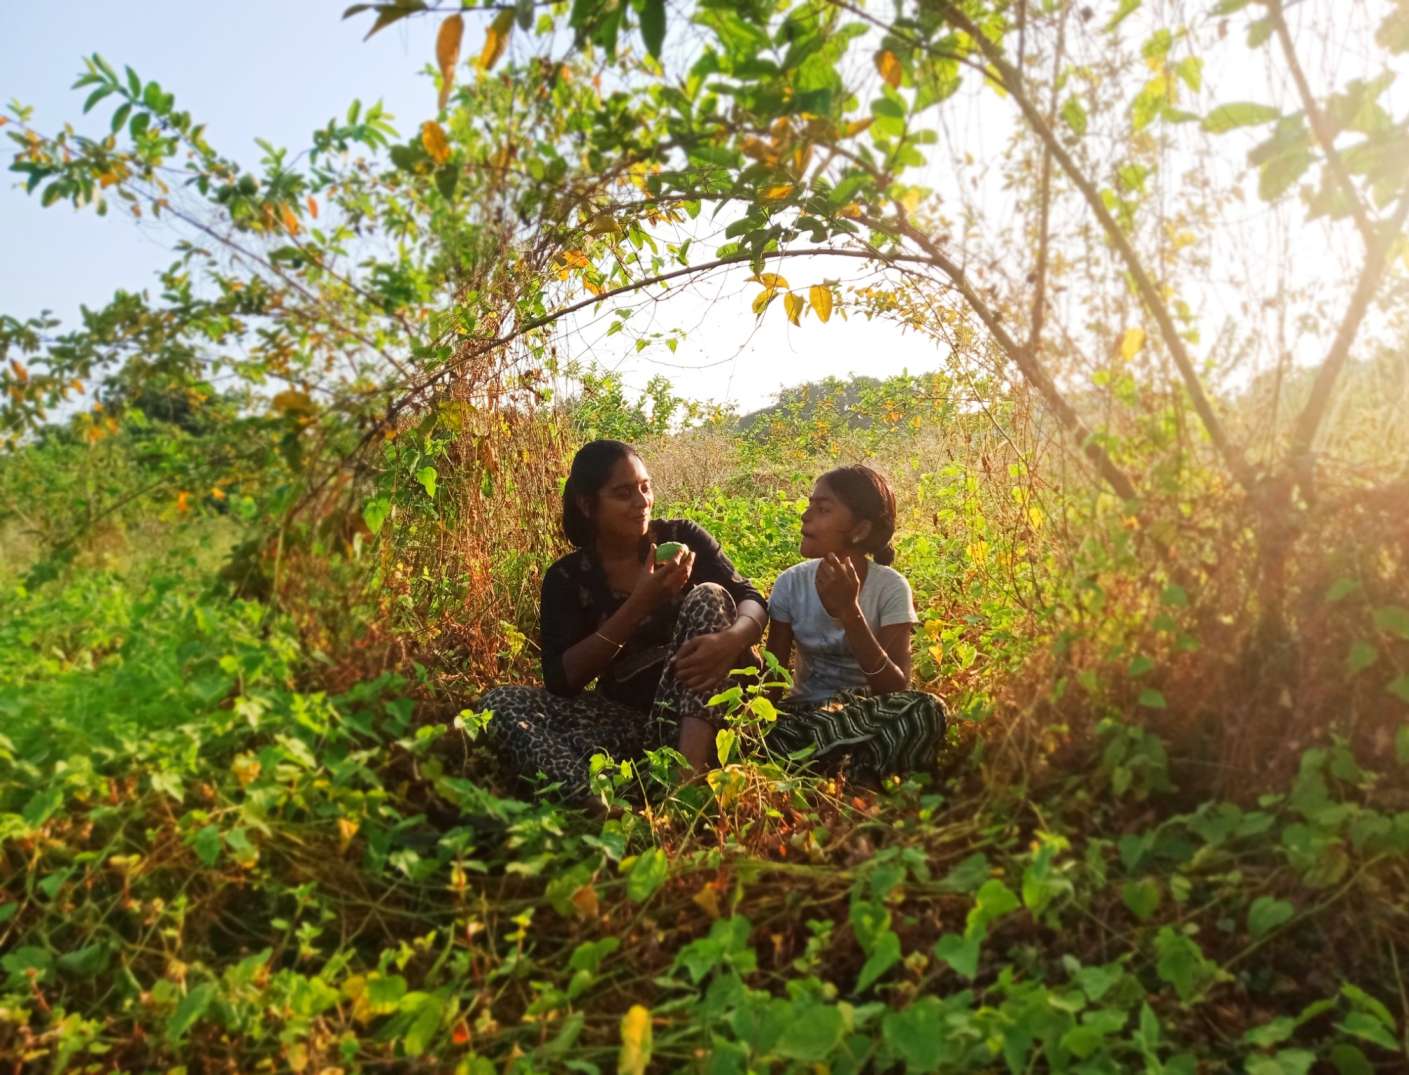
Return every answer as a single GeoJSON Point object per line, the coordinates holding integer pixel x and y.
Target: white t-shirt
{"type": "Point", "coordinates": [825, 664]}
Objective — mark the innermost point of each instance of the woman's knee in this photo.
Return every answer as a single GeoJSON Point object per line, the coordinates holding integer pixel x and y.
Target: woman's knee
{"type": "Point", "coordinates": [708, 607]}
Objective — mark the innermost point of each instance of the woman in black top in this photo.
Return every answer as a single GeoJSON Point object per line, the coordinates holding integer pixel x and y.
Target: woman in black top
{"type": "Point", "coordinates": [659, 638]}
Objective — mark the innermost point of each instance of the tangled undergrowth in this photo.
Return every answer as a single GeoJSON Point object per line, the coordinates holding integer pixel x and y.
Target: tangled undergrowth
{"type": "Point", "coordinates": [210, 861]}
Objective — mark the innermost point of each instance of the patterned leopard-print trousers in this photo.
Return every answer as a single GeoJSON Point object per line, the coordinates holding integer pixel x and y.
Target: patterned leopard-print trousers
{"type": "Point", "coordinates": [534, 731]}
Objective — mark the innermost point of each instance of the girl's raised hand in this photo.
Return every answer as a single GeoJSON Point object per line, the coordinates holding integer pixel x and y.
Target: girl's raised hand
{"type": "Point", "coordinates": [838, 585]}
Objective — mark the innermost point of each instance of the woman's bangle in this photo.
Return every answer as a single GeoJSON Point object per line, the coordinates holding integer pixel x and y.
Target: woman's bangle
{"type": "Point", "coordinates": [608, 641]}
{"type": "Point", "coordinates": [885, 660]}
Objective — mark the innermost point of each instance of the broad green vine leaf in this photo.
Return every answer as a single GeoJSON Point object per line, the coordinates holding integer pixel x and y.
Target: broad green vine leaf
{"type": "Point", "coordinates": [1074, 116]}
{"type": "Point", "coordinates": [910, 1033]}
{"type": "Point", "coordinates": [1142, 897]}
{"type": "Point", "coordinates": [635, 1052]}
{"type": "Point", "coordinates": [961, 953]}
{"type": "Point", "coordinates": [207, 844]}
{"type": "Point", "coordinates": [193, 1005]}
{"type": "Point", "coordinates": [374, 513]}
{"type": "Point", "coordinates": [427, 477]}
{"type": "Point", "coordinates": [647, 874]}
{"type": "Point", "coordinates": [1267, 913]}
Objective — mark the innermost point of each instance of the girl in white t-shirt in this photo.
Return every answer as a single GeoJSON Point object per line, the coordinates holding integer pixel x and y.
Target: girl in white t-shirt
{"type": "Point", "coordinates": [849, 615]}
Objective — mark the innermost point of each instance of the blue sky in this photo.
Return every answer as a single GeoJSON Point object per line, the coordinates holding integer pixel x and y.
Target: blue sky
{"type": "Point", "coordinates": [256, 68]}
{"type": "Point", "coordinates": [278, 70]}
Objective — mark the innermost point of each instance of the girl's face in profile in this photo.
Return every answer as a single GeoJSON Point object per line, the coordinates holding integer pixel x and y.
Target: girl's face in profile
{"type": "Point", "coordinates": [828, 525]}
{"type": "Point", "coordinates": [623, 504]}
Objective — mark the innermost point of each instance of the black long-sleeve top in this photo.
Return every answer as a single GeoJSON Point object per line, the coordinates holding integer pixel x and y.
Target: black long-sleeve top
{"type": "Point", "coordinates": [577, 600]}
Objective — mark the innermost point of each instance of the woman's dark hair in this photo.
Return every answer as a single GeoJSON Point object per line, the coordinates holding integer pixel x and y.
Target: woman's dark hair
{"type": "Point", "coordinates": [591, 467]}
{"type": "Point", "coordinates": [867, 495]}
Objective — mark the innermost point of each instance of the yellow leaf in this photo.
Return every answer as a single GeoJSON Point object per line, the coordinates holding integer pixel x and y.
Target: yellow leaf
{"type": "Point", "coordinates": [496, 40]}
{"type": "Point", "coordinates": [635, 1041]}
{"type": "Point", "coordinates": [447, 53]}
{"type": "Point", "coordinates": [292, 401]}
{"type": "Point", "coordinates": [1131, 342]}
{"type": "Point", "coordinates": [246, 769]}
{"type": "Point", "coordinates": [821, 298]}
{"type": "Point", "coordinates": [347, 829]}
{"type": "Point", "coordinates": [889, 67]}
{"type": "Point", "coordinates": [707, 900]}
{"type": "Point", "coordinates": [290, 221]}
{"type": "Point", "coordinates": [17, 368]}
{"type": "Point", "coordinates": [857, 126]}
{"type": "Point", "coordinates": [793, 304]}
{"type": "Point", "coordinates": [778, 193]}
{"type": "Point", "coordinates": [433, 138]}
{"type": "Point", "coordinates": [771, 279]}
{"type": "Point", "coordinates": [762, 299]}
{"type": "Point", "coordinates": [183, 501]}
{"type": "Point", "coordinates": [313, 207]}
{"type": "Point", "coordinates": [602, 224]}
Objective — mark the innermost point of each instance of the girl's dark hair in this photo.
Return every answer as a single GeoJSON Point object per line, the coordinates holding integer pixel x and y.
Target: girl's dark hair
{"type": "Point", "coordinates": [591, 467]}
{"type": "Point", "coordinates": [867, 495]}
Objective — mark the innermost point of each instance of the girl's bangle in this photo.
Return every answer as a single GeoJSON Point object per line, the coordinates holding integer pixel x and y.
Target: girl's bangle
{"type": "Point", "coordinates": [885, 660]}
{"type": "Point", "coordinates": [608, 641]}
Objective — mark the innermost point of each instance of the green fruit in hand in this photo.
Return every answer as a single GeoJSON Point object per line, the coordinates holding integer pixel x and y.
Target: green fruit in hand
{"type": "Point", "coordinates": [666, 550]}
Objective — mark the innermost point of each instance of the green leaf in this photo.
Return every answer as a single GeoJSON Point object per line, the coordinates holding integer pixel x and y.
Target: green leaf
{"type": "Point", "coordinates": [1074, 116]}
{"type": "Point", "coordinates": [1393, 619]}
{"type": "Point", "coordinates": [884, 954]}
{"type": "Point", "coordinates": [993, 900]}
{"type": "Point", "coordinates": [1152, 699]}
{"type": "Point", "coordinates": [193, 1005]}
{"type": "Point", "coordinates": [1401, 744]}
{"type": "Point", "coordinates": [1273, 1033]}
{"type": "Point", "coordinates": [812, 1032]}
{"type": "Point", "coordinates": [1237, 114]}
{"type": "Point", "coordinates": [1174, 597]}
{"type": "Point", "coordinates": [912, 1034]}
{"type": "Point", "coordinates": [1142, 897]}
{"type": "Point", "coordinates": [647, 874]}
{"type": "Point", "coordinates": [1366, 1027]}
{"type": "Point", "coordinates": [427, 1011]}
{"type": "Point", "coordinates": [207, 844]}
{"type": "Point", "coordinates": [445, 181]}
{"type": "Point", "coordinates": [967, 875]}
{"type": "Point", "coordinates": [1350, 1059]}
{"type": "Point", "coordinates": [1341, 589]}
{"type": "Point", "coordinates": [1399, 687]}
{"type": "Point", "coordinates": [1362, 655]}
{"type": "Point", "coordinates": [1181, 963]}
{"type": "Point", "coordinates": [1126, 9]}
{"type": "Point", "coordinates": [961, 953]}
{"type": "Point", "coordinates": [374, 513]}
{"type": "Point", "coordinates": [427, 477]}
{"type": "Point", "coordinates": [41, 806]}
{"type": "Point", "coordinates": [20, 962]}
{"type": "Point", "coordinates": [1266, 914]}
{"type": "Point", "coordinates": [653, 26]}
{"type": "Point", "coordinates": [169, 784]}
{"type": "Point", "coordinates": [86, 962]}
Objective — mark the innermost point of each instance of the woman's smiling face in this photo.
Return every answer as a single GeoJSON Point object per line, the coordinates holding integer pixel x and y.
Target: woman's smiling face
{"type": "Point", "coordinates": [622, 508]}
{"type": "Point", "coordinates": [828, 525]}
